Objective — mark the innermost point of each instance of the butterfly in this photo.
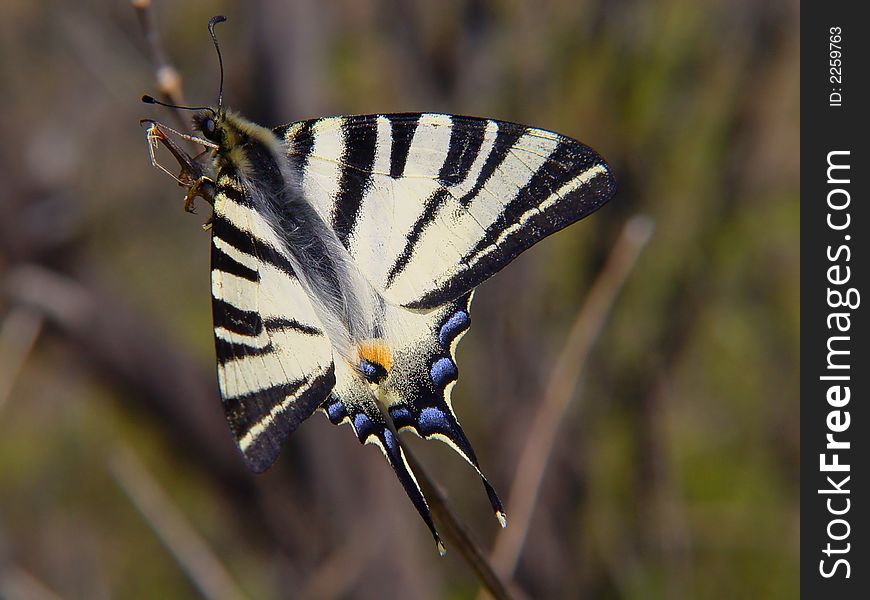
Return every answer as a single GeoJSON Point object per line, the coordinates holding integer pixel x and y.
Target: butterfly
{"type": "Point", "coordinates": [345, 252]}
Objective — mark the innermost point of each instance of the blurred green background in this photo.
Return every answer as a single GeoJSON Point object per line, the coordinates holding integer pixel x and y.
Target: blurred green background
{"type": "Point", "coordinates": [675, 470]}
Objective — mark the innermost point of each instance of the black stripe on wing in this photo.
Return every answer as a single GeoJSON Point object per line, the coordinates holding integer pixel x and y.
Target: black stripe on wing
{"type": "Point", "coordinates": [249, 244]}
{"type": "Point", "coordinates": [228, 350]}
{"type": "Point", "coordinates": [402, 128]}
{"type": "Point", "coordinates": [430, 209]}
{"type": "Point", "coordinates": [466, 138]}
{"type": "Point", "coordinates": [236, 320]}
{"type": "Point", "coordinates": [276, 324]}
{"type": "Point", "coordinates": [227, 264]}
{"type": "Point", "coordinates": [258, 409]}
{"type": "Point", "coordinates": [302, 143]}
{"type": "Point", "coordinates": [506, 136]}
{"type": "Point", "coordinates": [569, 160]}
{"type": "Point", "coordinates": [360, 144]}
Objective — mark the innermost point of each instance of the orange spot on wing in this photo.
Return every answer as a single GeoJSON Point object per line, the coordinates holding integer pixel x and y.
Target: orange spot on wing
{"type": "Point", "coordinates": [377, 353]}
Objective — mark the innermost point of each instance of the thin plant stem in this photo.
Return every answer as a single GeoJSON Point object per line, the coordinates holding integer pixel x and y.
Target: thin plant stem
{"type": "Point", "coordinates": [562, 386]}
{"type": "Point", "coordinates": [174, 531]}
{"type": "Point", "coordinates": [18, 334]}
{"type": "Point", "coordinates": [169, 82]}
{"type": "Point", "coordinates": [457, 533]}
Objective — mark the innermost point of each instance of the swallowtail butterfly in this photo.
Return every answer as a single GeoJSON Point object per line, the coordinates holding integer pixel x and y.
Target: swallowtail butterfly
{"type": "Point", "coordinates": [344, 256]}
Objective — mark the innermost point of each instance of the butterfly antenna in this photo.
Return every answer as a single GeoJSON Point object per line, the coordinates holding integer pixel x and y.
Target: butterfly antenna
{"type": "Point", "coordinates": [211, 23]}
{"type": "Point", "coordinates": [152, 100]}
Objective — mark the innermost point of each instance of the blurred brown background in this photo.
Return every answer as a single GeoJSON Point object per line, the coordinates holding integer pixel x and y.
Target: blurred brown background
{"type": "Point", "coordinates": [675, 468]}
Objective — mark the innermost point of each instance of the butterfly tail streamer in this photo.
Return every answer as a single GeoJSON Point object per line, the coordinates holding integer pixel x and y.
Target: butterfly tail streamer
{"type": "Point", "coordinates": [370, 427]}
{"type": "Point", "coordinates": [422, 396]}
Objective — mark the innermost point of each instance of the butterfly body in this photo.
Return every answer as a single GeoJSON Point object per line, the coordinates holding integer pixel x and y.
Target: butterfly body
{"type": "Point", "coordinates": [345, 253]}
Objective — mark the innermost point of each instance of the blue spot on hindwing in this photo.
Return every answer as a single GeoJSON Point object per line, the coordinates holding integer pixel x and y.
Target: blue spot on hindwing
{"type": "Point", "coordinates": [362, 425]}
{"type": "Point", "coordinates": [390, 443]}
{"type": "Point", "coordinates": [443, 371]}
{"type": "Point", "coordinates": [433, 420]}
{"type": "Point", "coordinates": [336, 412]}
{"type": "Point", "coordinates": [455, 325]}
{"type": "Point", "coordinates": [368, 369]}
{"type": "Point", "coordinates": [401, 416]}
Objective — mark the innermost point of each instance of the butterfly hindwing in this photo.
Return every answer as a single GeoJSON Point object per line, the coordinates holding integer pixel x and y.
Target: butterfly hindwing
{"type": "Point", "coordinates": [274, 362]}
{"type": "Point", "coordinates": [430, 205]}
{"type": "Point", "coordinates": [355, 403]}
{"type": "Point", "coordinates": [424, 373]}
{"type": "Point", "coordinates": [415, 374]}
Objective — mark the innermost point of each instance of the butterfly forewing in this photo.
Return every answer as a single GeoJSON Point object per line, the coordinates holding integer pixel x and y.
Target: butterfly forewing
{"type": "Point", "coordinates": [430, 205]}
{"type": "Point", "coordinates": [274, 361]}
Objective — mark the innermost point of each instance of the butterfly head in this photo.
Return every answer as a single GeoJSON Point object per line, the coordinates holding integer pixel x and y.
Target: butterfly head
{"type": "Point", "coordinates": [207, 123]}
{"type": "Point", "coordinates": [224, 129]}
{"type": "Point", "coordinates": [226, 137]}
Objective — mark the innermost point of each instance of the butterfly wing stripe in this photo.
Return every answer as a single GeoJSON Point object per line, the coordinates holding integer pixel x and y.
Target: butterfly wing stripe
{"type": "Point", "coordinates": [261, 422]}
{"type": "Point", "coordinates": [358, 159]}
{"type": "Point", "coordinates": [232, 260]}
{"type": "Point", "coordinates": [430, 209]}
{"type": "Point", "coordinates": [303, 144]}
{"type": "Point", "coordinates": [276, 324]}
{"type": "Point", "coordinates": [472, 176]}
{"type": "Point", "coordinates": [291, 394]}
{"type": "Point", "coordinates": [245, 242]}
{"type": "Point", "coordinates": [507, 135]}
{"type": "Point", "coordinates": [241, 345]}
{"type": "Point", "coordinates": [232, 193]}
{"type": "Point", "coordinates": [462, 150]}
{"type": "Point", "coordinates": [594, 189]}
{"type": "Point", "coordinates": [258, 405]}
{"type": "Point", "coordinates": [231, 344]}
{"type": "Point", "coordinates": [235, 319]}
{"type": "Point", "coordinates": [402, 132]}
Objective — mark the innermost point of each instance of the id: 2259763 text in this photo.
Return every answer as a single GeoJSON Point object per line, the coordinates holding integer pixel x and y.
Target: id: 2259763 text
{"type": "Point", "coordinates": [835, 70]}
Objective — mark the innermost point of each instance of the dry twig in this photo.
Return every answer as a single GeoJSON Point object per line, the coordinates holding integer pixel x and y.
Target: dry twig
{"type": "Point", "coordinates": [175, 532]}
{"type": "Point", "coordinates": [18, 334]}
{"type": "Point", "coordinates": [167, 76]}
{"type": "Point", "coordinates": [457, 533]}
{"type": "Point", "coordinates": [561, 389]}
{"type": "Point", "coordinates": [18, 584]}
